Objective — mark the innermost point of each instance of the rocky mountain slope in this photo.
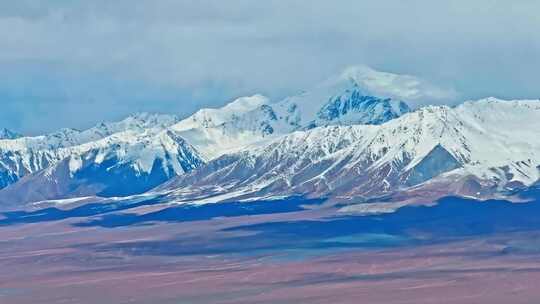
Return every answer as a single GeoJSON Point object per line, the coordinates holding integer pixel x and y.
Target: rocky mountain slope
{"type": "Point", "coordinates": [122, 164]}
{"type": "Point", "coordinates": [484, 141]}
{"type": "Point", "coordinates": [111, 159]}
{"type": "Point", "coordinates": [26, 155]}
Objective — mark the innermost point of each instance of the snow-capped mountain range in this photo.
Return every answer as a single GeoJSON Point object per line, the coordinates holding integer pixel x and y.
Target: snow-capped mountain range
{"type": "Point", "coordinates": [25, 155]}
{"type": "Point", "coordinates": [345, 138]}
{"type": "Point", "coordinates": [484, 141]}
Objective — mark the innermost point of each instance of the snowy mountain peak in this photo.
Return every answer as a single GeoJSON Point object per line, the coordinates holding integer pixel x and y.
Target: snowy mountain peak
{"type": "Point", "coordinates": [8, 134]}
{"type": "Point", "coordinates": [493, 102]}
{"type": "Point", "coordinates": [353, 107]}
{"type": "Point", "coordinates": [254, 120]}
{"type": "Point", "coordinates": [245, 104]}
{"type": "Point", "coordinates": [144, 120]}
{"type": "Point", "coordinates": [210, 118]}
{"type": "Point", "coordinates": [341, 100]}
{"type": "Point", "coordinates": [374, 81]}
{"type": "Point", "coordinates": [140, 150]}
{"type": "Point", "coordinates": [395, 86]}
{"type": "Point", "coordinates": [128, 139]}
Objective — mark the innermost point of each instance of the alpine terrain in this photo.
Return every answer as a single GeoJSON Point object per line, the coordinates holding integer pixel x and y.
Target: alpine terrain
{"type": "Point", "coordinates": [337, 140]}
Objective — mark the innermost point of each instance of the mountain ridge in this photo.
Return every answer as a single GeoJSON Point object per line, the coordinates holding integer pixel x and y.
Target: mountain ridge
{"type": "Point", "coordinates": [335, 140]}
{"type": "Point", "coordinates": [363, 161]}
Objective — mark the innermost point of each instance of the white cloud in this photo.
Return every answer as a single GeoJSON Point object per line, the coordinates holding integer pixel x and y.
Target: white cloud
{"type": "Point", "coordinates": [412, 89]}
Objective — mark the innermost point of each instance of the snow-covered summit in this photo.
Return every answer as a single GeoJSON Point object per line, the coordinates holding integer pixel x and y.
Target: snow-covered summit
{"type": "Point", "coordinates": [8, 134]}
{"type": "Point", "coordinates": [341, 100]}
{"type": "Point", "coordinates": [26, 155]}
{"type": "Point", "coordinates": [69, 137]}
{"type": "Point", "coordinates": [254, 120]}
{"type": "Point", "coordinates": [140, 150]}
{"type": "Point", "coordinates": [395, 86]}
{"type": "Point", "coordinates": [210, 118]}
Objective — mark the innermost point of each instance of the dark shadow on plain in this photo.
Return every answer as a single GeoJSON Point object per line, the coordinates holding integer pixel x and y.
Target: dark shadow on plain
{"type": "Point", "coordinates": [181, 213]}
{"type": "Point", "coordinates": [450, 220]}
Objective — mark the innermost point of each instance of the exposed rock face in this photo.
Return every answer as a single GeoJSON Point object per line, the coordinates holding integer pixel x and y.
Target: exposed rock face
{"type": "Point", "coordinates": [468, 145]}
{"type": "Point", "coordinates": [117, 168]}
{"type": "Point", "coordinates": [436, 162]}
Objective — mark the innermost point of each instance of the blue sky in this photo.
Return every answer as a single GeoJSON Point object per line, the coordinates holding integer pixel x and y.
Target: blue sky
{"type": "Point", "coordinates": [75, 63]}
